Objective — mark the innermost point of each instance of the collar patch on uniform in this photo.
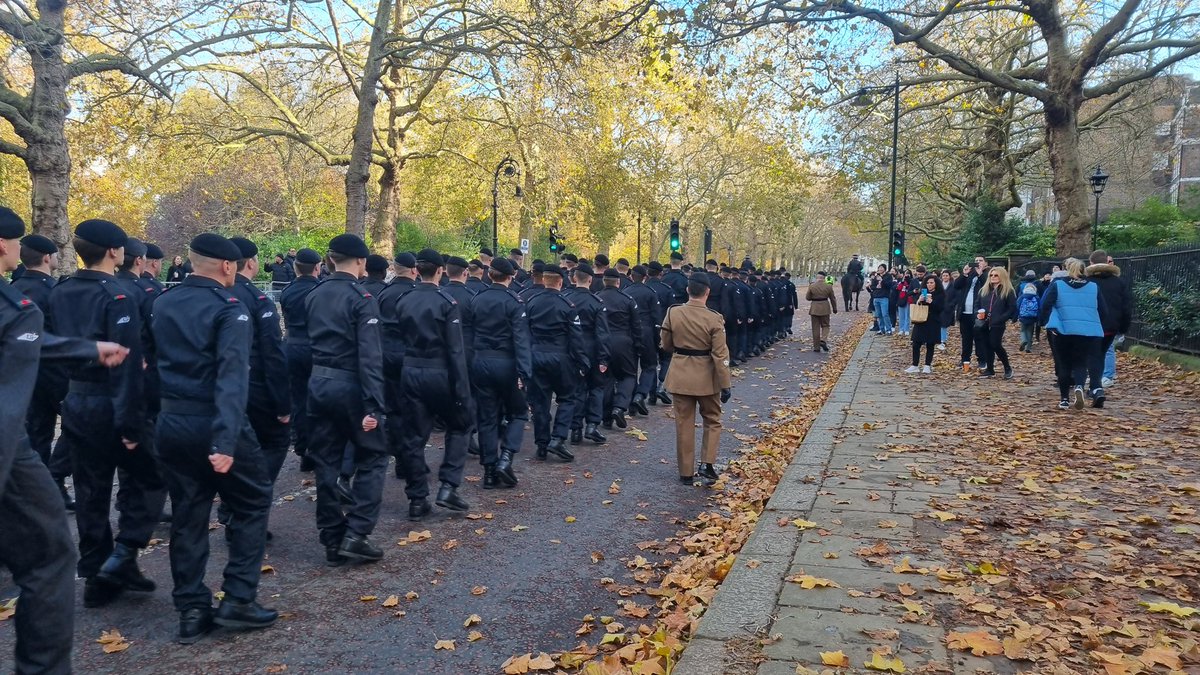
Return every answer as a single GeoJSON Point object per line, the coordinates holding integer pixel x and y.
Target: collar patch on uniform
{"type": "Point", "coordinates": [124, 319]}
{"type": "Point", "coordinates": [28, 337]}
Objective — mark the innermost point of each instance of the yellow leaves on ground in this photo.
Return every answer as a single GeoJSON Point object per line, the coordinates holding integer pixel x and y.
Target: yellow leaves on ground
{"type": "Point", "coordinates": [980, 642]}
{"type": "Point", "coordinates": [808, 581]}
{"type": "Point", "coordinates": [888, 524]}
{"type": "Point", "coordinates": [267, 569]}
{"type": "Point", "coordinates": [985, 568]}
{"type": "Point", "coordinates": [836, 659]}
{"type": "Point", "coordinates": [391, 601]}
{"type": "Point", "coordinates": [411, 595]}
{"type": "Point", "coordinates": [368, 598]}
{"type": "Point", "coordinates": [914, 607]}
{"type": "Point", "coordinates": [1169, 608]}
{"type": "Point", "coordinates": [474, 636]}
{"type": "Point", "coordinates": [525, 663]}
{"type": "Point", "coordinates": [803, 524]}
{"type": "Point", "coordinates": [614, 489]}
{"type": "Point", "coordinates": [414, 537]}
{"type": "Point", "coordinates": [444, 645]}
{"type": "Point", "coordinates": [8, 609]}
{"type": "Point", "coordinates": [112, 641]}
{"type": "Point", "coordinates": [890, 664]}
{"type": "Point", "coordinates": [636, 433]}
{"type": "Point", "coordinates": [519, 528]}
{"type": "Point", "coordinates": [944, 515]}
{"type": "Point", "coordinates": [472, 620]}
{"type": "Point", "coordinates": [569, 519]}
{"type": "Point", "coordinates": [479, 590]}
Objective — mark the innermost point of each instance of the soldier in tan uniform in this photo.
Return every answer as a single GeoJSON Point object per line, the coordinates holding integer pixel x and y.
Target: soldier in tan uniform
{"type": "Point", "coordinates": [698, 377]}
{"type": "Point", "coordinates": [820, 294]}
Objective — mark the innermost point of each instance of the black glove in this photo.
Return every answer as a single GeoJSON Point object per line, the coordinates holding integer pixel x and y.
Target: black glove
{"type": "Point", "coordinates": [725, 395]}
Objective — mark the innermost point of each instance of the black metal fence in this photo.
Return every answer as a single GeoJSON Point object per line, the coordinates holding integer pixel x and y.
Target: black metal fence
{"type": "Point", "coordinates": [1173, 270]}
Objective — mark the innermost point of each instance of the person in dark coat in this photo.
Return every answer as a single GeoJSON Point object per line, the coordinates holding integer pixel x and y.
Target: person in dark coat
{"type": "Point", "coordinates": [928, 333]}
{"type": "Point", "coordinates": [1118, 299]}
{"type": "Point", "coordinates": [996, 305]}
{"type": "Point", "coordinates": [177, 271]}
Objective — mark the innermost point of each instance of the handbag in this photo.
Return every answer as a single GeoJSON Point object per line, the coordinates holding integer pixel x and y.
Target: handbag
{"type": "Point", "coordinates": [919, 313]}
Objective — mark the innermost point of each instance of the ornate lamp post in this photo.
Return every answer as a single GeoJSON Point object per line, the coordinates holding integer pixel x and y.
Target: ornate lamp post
{"type": "Point", "coordinates": [1098, 179]}
{"type": "Point", "coordinates": [509, 167]}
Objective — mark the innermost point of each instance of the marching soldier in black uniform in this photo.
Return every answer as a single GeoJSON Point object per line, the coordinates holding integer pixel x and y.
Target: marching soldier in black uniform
{"type": "Point", "coordinates": [537, 283]}
{"type": "Point", "coordinates": [39, 255]}
{"type": "Point", "coordinates": [209, 448]}
{"type": "Point", "coordinates": [346, 403]}
{"type": "Point", "coordinates": [37, 547]}
{"type": "Point", "coordinates": [153, 268]}
{"type": "Point", "coordinates": [501, 364]}
{"type": "Point", "coordinates": [298, 348]}
{"type": "Point", "coordinates": [650, 319]}
{"type": "Point", "coordinates": [394, 340]}
{"type": "Point", "coordinates": [721, 300]}
{"type": "Point", "coordinates": [625, 343]}
{"type": "Point", "coordinates": [377, 267]}
{"type": "Point", "coordinates": [434, 382]}
{"type": "Point", "coordinates": [475, 280]}
{"type": "Point", "coordinates": [269, 405]}
{"type": "Point", "coordinates": [104, 419]}
{"type": "Point", "coordinates": [589, 395]}
{"type": "Point", "coordinates": [793, 302]}
{"type": "Point", "coordinates": [747, 326]}
{"type": "Point", "coordinates": [676, 279]}
{"type": "Point", "coordinates": [666, 298]}
{"type": "Point", "coordinates": [560, 361]}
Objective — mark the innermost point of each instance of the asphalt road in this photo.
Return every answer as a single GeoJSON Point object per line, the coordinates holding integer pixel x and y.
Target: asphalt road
{"type": "Point", "coordinates": [537, 567]}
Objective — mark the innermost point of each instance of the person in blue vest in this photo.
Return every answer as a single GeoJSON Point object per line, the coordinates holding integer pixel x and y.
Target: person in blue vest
{"type": "Point", "coordinates": [1073, 312]}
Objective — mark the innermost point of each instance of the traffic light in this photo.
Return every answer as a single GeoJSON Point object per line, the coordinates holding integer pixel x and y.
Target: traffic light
{"type": "Point", "coordinates": [556, 245]}
{"type": "Point", "coordinates": [898, 243]}
{"type": "Point", "coordinates": [675, 241]}
{"type": "Point", "coordinates": [707, 241]}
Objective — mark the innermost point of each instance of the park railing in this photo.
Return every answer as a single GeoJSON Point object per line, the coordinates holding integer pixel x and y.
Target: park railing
{"type": "Point", "coordinates": [1166, 289]}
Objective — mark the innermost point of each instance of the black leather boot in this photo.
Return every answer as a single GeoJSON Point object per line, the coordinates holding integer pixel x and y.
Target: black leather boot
{"type": "Point", "coordinates": [473, 444]}
{"type": "Point", "coordinates": [121, 569]}
{"type": "Point", "coordinates": [333, 558]}
{"type": "Point", "coordinates": [504, 469]}
{"type": "Point", "coordinates": [344, 493]}
{"type": "Point", "coordinates": [541, 452]}
{"type": "Point", "coordinates": [577, 436]}
{"type": "Point", "coordinates": [593, 434]}
{"type": "Point", "coordinates": [489, 477]}
{"type": "Point", "coordinates": [359, 547]}
{"type": "Point", "coordinates": [638, 405]}
{"type": "Point", "coordinates": [447, 498]}
{"type": "Point", "coordinates": [194, 624]}
{"type": "Point", "coordinates": [708, 473]}
{"type": "Point", "coordinates": [558, 446]}
{"type": "Point", "coordinates": [307, 465]}
{"type": "Point", "coordinates": [618, 418]}
{"type": "Point", "coordinates": [244, 615]}
{"type": "Point", "coordinates": [98, 593]}
{"type": "Point", "coordinates": [664, 396]}
{"type": "Point", "coordinates": [653, 397]}
{"type": "Point", "coordinates": [68, 500]}
{"type": "Point", "coordinates": [418, 509]}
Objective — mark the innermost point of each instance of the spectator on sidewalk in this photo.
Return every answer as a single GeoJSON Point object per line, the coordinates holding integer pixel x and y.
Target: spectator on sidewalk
{"type": "Point", "coordinates": [926, 333]}
{"type": "Point", "coordinates": [177, 271]}
{"type": "Point", "coordinates": [880, 286]}
{"type": "Point", "coordinates": [1028, 309]}
{"type": "Point", "coordinates": [1073, 313]}
{"type": "Point", "coordinates": [1118, 300]}
{"type": "Point", "coordinates": [822, 305]}
{"type": "Point", "coordinates": [997, 303]}
{"type": "Point", "coordinates": [905, 287]}
{"type": "Point", "coordinates": [946, 318]}
{"type": "Point", "coordinates": [966, 291]}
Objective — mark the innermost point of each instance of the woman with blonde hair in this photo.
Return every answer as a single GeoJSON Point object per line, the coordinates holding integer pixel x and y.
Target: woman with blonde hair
{"type": "Point", "coordinates": [995, 306]}
{"type": "Point", "coordinates": [1073, 312]}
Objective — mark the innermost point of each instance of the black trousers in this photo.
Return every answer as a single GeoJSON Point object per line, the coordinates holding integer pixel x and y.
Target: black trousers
{"type": "Point", "coordinates": [273, 436]}
{"type": "Point", "coordinates": [425, 395]}
{"type": "Point", "coordinates": [990, 345]}
{"type": "Point", "coordinates": [552, 378]}
{"type": "Point", "coordinates": [916, 352]}
{"type": "Point", "coordinates": [97, 453]}
{"type": "Point", "coordinates": [495, 390]}
{"type": "Point", "coordinates": [622, 373]}
{"type": "Point", "coordinates": [336, 413]}
{"type": "Point", "coordinates": [1074, 361]}
{"type": "Point", "coordinates": [966, 330]}
{"type": "Point", "coordinates": [589, 398]}
{"type": "Point", "coordinates": [647, 380]}
{"type": "Point", "coordinates": [44, 408]}
{"type": "Point", "coordinates": [299, 362]}
{"type": "Point", "coordinates": [37, 548]}
{"type": "Point", "coordinates": [245, 489]}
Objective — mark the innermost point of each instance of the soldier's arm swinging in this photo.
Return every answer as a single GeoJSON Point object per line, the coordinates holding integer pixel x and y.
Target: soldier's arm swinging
{"type": "Point", "coordinates": [232, 386]}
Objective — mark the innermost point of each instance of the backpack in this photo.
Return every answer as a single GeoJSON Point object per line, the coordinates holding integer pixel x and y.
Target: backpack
{"type": "Point", "coordinates": [1029, 303]}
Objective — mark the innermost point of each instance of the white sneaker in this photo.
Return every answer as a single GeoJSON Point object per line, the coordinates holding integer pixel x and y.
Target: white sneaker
{"type": "Point", "coordinates": [1106, 382]}
{"type": "Point", "coordinates": [912, 369]}
{"type": "Point", "coordinates": [926, 370]}
{"type": "Point", "coordinates": [941, 347]}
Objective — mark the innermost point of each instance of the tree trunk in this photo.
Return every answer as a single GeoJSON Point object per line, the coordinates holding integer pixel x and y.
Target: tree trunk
{"type": "Point", "coordinates": [1070, 191]}
{"type": "Point", "coordinates": [383, 230]}
{"type": "Point", "coordinates": [358, 172]}
{"type": "Point", "coordinates": [48, 157]}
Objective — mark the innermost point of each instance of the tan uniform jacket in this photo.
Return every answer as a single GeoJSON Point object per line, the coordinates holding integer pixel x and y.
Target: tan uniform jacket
{"type": "Point", "coordinates": [695, 327]}
{"type": "Point", "coordinates": [820, 294]}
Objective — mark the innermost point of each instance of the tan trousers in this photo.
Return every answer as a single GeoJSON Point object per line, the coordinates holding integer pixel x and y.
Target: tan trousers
{"type": "Point", "coordinates": [820, 328]}
{"type": "Point", "coordinates": [685, 430]}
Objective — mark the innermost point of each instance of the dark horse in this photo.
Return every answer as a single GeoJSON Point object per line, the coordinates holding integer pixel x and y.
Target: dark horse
{"type": "Point", "coordinates": [852, 285]}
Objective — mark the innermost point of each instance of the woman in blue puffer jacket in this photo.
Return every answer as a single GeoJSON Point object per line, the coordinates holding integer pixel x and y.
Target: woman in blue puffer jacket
{"type": "Point", "coordinates": [1073, 313]}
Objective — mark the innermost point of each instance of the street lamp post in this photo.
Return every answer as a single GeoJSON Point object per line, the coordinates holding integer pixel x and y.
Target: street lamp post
{"type": "Point", "coordinates": [1098, 179]}
{"type": "Point", "coordinates": [639, 243]}
{"type": "Point", "coordinates": [509, 167]}
{"type": "Point", "coordinates": [860, 100]}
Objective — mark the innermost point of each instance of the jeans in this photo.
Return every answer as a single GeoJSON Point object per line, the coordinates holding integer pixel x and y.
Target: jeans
{"type": "Point", "coordinates": [881, 314]}
{"type": "Point", "coordinates": [1027, 334]}
{"type": "Point", "coordinates": [945, 334]}
{"type": "Point", "coordinates": [1110, 362]}
{"type": "Point", "coordinates": [904, 315]}
{"type": "Point", "coordinates": [1104, 361]}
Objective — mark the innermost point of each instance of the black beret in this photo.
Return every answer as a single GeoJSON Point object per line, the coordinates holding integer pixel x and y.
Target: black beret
{"type": "Point", "coordinates": [428, 255]}
{"type": "Point", "coordinates": [570, 257]}
{"type": "Point", "coordinates": [601, 259]}
{"type": "Point", "coordinates": [503, 266]}
{"type": "Point", "coordinates": [460, 262]}
{"type": "Point", "coordinates": [584, 268]}
{"type": "Point", "coordinates": [101, 233]}
{"type": "Point", "coordinates": [699, 278]}
{"type": "Point", "coordinates": [517, 251]}
{"type": "Point", "coordinates": [710, 261]}
{"type": "Point", "coordinates": [215, 246]}
{"type": "Point", "coordinates": [248, 248]}
{"type": "Point", "coordinates": [482, 251]}
{"type": "Point", "coordinates": [474, 264]}
{"type": "Point", "coordinates": [39, 243]}
{"type": "Point", "coordinates": [676, 256]}
{"type": "Point", "coordinates": [134, 248]}
{"type": "Point", "coordinates": [654, 266]}
{"type": "Point", "coordinates": [376, 263]}
{"type": "Point", "coordinates": [349, 245]}
{"type": "Point", "coordinates": [639, 270]}
{"type": "Point", "coordinates": [11, 225]}
{"type": "Point", "coordinates": [742, 272]}
{"type": "Point", "coordinates": [610, 273]}
{"type": "Point", "coordinates": [551, 268]}
{"type": "Point", "coordinates": [405, 259]}
{"type": "Point", "coordinates": [538, 267]}
{"type": "Point", "coordinates": [153, 252]}
{"type": "Point", "coordinates": [623, 261]}
{"type": "Point", "coordinates": [308, 256]}
{"type": "Point", "coordinates": [725, 269]}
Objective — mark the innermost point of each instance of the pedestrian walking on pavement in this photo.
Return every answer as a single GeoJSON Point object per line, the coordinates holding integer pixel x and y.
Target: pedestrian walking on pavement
{"type": "Point", "coordinates": [698, 378]}
{"type": "Point", "coordinates": [1118, 300]}
{"type": "Point", "coordinates": [928, 309]}
{"type": "Point", "coordinates": [1073, 312]}
{"type": "Point", "coordinates": [823, 304]}
{"type": "Point", "coordinates": [994, 308]}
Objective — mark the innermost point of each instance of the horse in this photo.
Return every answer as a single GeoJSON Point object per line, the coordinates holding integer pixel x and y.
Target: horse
{"type": "Point", "coordinates": [852, 285]}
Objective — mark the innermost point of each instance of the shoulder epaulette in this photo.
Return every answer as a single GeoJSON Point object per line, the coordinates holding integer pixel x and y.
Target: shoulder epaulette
{"type": "Point", "coordinates": [361, 291]}
{"type": "Point", "coordinates": [713, 311]}
{"type": "Point", "coordinates": [225, 296]}
{"type": "Point", "coordinates": [449, 298]}
{"type": "Point", "coordinates": [14, 296]}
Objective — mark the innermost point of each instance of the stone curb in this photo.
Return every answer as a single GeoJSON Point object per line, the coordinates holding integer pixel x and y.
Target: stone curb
{"type": "Point", "coordinates": [746, 599]}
